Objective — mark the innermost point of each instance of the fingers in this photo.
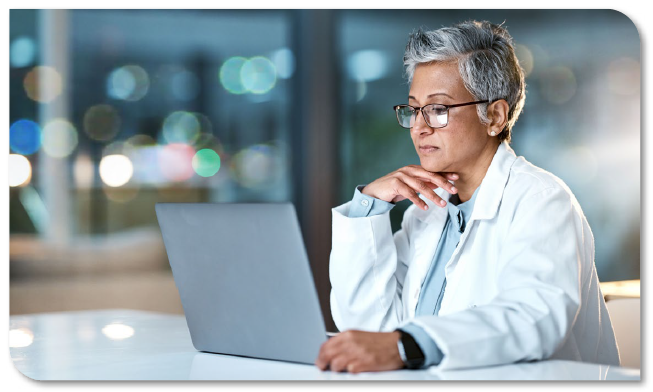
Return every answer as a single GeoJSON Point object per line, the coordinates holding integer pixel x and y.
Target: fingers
{"type": "Point", "coordinates": [424, 188]}
{"type": "Point", "coordinates": [441, 179]}
{"type": "Point", "coordinates": [334, 358]}
{"type": "Point", "coordinates": [401, 188]}
{"type": "Point", "coordinates": [325, 355]}
{"type": "Point", "coordinates": [339, 363]}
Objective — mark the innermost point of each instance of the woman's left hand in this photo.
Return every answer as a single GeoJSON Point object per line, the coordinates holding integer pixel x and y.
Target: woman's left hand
{"type": "Point", "coordinates": [360, 351]}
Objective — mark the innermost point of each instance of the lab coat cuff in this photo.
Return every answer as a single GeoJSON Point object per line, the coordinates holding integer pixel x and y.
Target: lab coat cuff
{"type": "Point", "coordinates": [351, 230]}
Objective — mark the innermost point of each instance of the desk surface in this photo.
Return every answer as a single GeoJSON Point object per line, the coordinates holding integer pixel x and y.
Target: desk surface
{"type": "Point", "coordinates": [136, 345]}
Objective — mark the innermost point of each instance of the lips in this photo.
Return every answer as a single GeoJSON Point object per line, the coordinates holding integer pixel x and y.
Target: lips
{"type": "Point", "coordinates": [428, 148]}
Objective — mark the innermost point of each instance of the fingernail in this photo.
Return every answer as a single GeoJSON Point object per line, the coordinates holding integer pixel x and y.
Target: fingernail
{"type": "Point", "coordinates": [453, 189]}
{"type": "Point", "coordinates": [426, 208]}
{"type": "Point", "coordinates": [443, 202]}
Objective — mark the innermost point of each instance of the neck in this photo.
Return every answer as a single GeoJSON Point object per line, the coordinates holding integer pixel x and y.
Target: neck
{"type": "Point", "coordinates": [471, 177]}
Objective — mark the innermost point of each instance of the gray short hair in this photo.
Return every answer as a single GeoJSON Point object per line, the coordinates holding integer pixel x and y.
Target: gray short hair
{"type": "Point", "coordinates": [486, 59]}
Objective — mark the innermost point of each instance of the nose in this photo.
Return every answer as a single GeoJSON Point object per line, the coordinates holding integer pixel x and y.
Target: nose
{"type": "Point", "coordinates": [420, 126]}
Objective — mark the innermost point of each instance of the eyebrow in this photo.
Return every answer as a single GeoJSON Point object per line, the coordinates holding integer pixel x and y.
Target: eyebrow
{"type": "Point", "coordinates": [432, 95]}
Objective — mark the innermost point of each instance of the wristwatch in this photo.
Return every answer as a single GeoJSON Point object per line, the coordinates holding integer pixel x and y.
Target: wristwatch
{"type": "Point", "coordinates": [409, 351]}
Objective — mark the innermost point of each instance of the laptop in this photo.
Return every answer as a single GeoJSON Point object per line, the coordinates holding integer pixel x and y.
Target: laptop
{"type": "Point", "coordinates": [244, 279]}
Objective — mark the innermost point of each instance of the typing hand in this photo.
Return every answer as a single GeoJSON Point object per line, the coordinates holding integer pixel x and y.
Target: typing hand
{"type": "Point", "coordinates": [360, 351]}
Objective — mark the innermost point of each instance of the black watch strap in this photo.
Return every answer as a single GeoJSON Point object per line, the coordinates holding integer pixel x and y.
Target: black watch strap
{"type": "Point", "coordinates": [414, 355]}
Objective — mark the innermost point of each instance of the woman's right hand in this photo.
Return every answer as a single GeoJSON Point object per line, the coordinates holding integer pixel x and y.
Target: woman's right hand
{"type": "Point", "coordinates": [407, 181]}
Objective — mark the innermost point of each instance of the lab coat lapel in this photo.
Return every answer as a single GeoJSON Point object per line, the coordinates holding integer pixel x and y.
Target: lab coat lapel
{"type": "Point", "coordinates": [485, 207]}
{"type": "Point", "coordinates": [425, 243]}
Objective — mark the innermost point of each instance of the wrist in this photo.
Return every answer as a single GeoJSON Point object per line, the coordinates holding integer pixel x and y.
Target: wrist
{"type": "Point", "coordinates": [365, 190]}
{"type": "Point", "coordinates": [370, 193]}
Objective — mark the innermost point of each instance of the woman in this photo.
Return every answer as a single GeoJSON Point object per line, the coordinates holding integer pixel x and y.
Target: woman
{"type": "Point", "coordinates": [494, 262]}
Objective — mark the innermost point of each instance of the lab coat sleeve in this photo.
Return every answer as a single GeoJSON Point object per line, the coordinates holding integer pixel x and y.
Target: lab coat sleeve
{"type": "Point", "coordinates": [367, 268]}
{"type": "Point", "coordinates": [539, 284]}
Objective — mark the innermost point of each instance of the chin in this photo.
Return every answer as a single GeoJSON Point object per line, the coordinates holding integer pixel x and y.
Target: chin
{"type": "Point", "coordinates": [431, 166]}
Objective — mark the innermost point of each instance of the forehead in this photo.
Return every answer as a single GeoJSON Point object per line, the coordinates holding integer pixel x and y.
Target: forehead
{"type": "Point", "coordinates": [437, 77]}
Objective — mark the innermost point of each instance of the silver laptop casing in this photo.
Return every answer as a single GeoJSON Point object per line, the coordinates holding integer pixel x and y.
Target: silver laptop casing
{"type": "Point", "coordinates": [244, 279]}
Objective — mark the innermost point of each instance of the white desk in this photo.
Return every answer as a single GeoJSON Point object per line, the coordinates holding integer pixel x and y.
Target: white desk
{"type": "Point", "coordinates": [136, 345]}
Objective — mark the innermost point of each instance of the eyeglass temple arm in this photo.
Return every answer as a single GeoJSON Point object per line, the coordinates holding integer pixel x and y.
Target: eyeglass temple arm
{"type": "Point", "coordinates": [465, 104]}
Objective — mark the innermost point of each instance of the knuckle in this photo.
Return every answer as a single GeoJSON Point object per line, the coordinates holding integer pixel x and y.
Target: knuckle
{"type": "Point", "coordinates": [337, 365]}
{"type": "Point", "coordinates": [328, 352]}
{"type": "Point", "coordinates": [325, 353]}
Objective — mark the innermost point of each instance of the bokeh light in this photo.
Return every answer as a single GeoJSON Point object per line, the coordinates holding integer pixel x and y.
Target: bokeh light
{"type": "Point", "coordinates": [102, 122]}
{"type": "Point", "coordinates": [129, 83]}
{"type": "Point", "coordinates": [541, 58]}
{"type": "Point", "coordinates": [256, 166]}
{"type": "Point", "coordinates": [135, 143]}
{"type": "Point", "coordinates": [59, 138]}
{"type": "Point", "coordinates": [20, 337]}
{"type": "Point", "coordinates": [116, 170]}
{"type": "Point", "coordinates": [230, 75]}
{"type": "Point", "coordinates": [205, 123]}
{"type": "Point", "coordinates": [361, 90]}
{"type": "Point", "coordinates": [118, 331]}
{"type": "Point", "coordinates": [624, 76]}
{"type": "Point", "coordinates": [284, 62]}
{"type": "Point", "coordinates": [258, 75]}
{"type": "Point", "coordinates": [558, 84]}
{"type": "Point", "coordinates": [115, 148]}
{"type": "Point", "coordinates": [181, 127]}
{"type": "Point", "coordinates": [22, 52]}
{"type": "Point", "coordinates": [40, 91]}
{"type": "Point", "coordinates": [208, 140]}
{"type": "Point", "coordinates": [367, 65]}
{"type": "Point", "coordinates": [24, 137]}
{"type": "Point", "coordinates": [185, 86]}
{"type": "Point", "coordinates": [206, 162]}
{"type": "Point", "coordinates": [20, 170]}
{"type": "Point", "coordinates": [83, 171]}
{"type": "Point", "coordinates": [175, 161]}
{"type": "Point", "coordinates": [140, 140]}
{"type": "Point", "coordinates": [525, 57]}
{"type": "Point", "coordinates": [147, 169]}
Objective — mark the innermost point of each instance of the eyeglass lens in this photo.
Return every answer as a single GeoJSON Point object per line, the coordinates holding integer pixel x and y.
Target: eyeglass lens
{"type": "Point", "coordinates": [436, 116]}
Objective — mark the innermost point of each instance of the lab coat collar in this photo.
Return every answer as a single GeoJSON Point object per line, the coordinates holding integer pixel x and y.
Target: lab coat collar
{"type": "Point", "coordinates": [490, 191]}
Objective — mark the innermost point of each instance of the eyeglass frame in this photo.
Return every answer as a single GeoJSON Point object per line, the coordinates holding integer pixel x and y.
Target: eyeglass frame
{"type": "Point", "coordinates": [447, 107]}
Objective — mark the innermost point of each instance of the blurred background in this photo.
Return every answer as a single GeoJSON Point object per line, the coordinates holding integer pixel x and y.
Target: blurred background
{"type": "Point", "coordinates": [112, 111]}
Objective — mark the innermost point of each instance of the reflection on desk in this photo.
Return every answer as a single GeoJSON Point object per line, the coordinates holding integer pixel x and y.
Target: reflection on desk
{"type": "Point", "coordinates": [136, 345]}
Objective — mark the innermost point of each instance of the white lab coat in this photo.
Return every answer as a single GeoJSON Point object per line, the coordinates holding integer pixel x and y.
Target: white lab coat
{"type": "Point", "coordinates": [521, 284]}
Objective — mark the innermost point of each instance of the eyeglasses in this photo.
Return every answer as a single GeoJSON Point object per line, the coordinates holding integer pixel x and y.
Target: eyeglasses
{"type": "Point", "coordinates": [436, 115]}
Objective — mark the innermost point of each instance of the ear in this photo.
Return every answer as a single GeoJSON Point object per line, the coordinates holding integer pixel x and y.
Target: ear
{"type": "Point", "coordinates": [497, 112]}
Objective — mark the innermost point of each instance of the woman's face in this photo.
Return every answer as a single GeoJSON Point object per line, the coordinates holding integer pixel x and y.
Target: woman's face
{"type": "Point", "coordinates": [462, 141]}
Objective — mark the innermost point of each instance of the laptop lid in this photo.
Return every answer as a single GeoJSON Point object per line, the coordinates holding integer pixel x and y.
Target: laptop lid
{"type": "Point", "coordinates": [244, 279]}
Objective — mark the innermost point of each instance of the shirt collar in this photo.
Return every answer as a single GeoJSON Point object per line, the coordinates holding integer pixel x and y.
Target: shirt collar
{"type": "Point", "coordinates": [461, 213]}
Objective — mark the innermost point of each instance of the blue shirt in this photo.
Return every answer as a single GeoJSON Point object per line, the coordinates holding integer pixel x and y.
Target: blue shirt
{"type": "Point", "coordinates": [434, 283]}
